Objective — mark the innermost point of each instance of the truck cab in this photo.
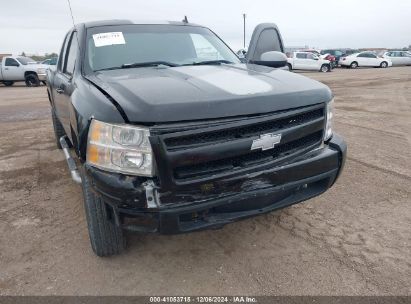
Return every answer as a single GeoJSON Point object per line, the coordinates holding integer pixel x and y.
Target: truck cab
{"type": "Point", "coordinates": [180, 135]}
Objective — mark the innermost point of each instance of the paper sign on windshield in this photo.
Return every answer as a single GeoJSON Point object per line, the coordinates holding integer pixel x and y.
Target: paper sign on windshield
{"type": "Point", "coordinates": [104, 39]}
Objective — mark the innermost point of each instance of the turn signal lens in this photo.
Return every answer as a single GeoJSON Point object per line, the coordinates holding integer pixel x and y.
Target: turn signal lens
{"type": "Point", "coordinates": [330, 120]}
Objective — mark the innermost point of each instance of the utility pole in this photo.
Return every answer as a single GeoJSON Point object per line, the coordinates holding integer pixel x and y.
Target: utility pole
{"type": "Point", "coordinates": [244, 15]}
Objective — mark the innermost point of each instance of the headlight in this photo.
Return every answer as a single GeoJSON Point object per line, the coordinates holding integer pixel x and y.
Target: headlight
{"type": "Point", "coordinates": [330, 120]}
{"type": "Point", "coordinates": [41, 71]}
{"type": "Point", "coordinates": [120, 148]}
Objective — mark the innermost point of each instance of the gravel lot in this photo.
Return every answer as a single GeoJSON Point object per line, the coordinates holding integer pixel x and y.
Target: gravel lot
{"type": "Point", "coordinates": [353, 240]}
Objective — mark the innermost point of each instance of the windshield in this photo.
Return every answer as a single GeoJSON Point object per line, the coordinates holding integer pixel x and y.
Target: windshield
{"type": "Point", "coordinates": [122, 46]}
{"type": "Point", "coordinates": [25, 60]}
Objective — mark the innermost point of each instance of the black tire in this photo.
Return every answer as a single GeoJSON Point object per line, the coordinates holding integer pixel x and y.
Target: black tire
{"type": "Point", "coordinates": [44, 82]}
{"type": "Point", "coordinates": [384, 64]}
{"type": "Point", "coordinates": [106, 237]}
{"type": "Point", "coordinates": [32, 80]}
{"type": "Point", "coordinates": [290, 68]}
{"type": "Point", "coordinates": [8, 83]}
{"type": "Point", "coordinates": [354, 65]}
{"type": "Point", "coordinates": [58, 128]}
{"type": "Point", "coordinates": [325, 68]}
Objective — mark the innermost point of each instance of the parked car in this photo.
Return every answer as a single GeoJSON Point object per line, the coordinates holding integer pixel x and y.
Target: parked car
{"type": "Point", "coordinates": [13, 69]}
{"type": "Point", "coordinates": [365, 59]}
{"type": "Point", "coordinates": [398, 57]}
{"type": "Point", "coordinates": [50, 61]}
{"type": "Point", "coordinates": [326, 56]}
{"type": "Point", "coordinates": [308, 61]}
{"type": "Point", "coordinates": [348, 52]}
{"type": "Point", "coordinates": [169, 140]}
{"type": "Point", "coordinates": [336, 53]}
{"type": "Point", "coordinates": [331, 59]}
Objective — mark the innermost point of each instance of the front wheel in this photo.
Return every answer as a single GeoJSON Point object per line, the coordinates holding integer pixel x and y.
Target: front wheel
{"type": "Point", "coordinates": [325, 68]}
{"type": "Point", "coordinates": [32, 80]}
{"type": "Point", "coordinates": [106, 237]}
{"type": "Point", "coordinates": [290, 68]}
{"type": "Point", "coordinates": [384, 64]}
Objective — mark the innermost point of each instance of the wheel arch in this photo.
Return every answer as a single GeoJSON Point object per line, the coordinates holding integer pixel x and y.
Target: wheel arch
{"type": "Point", "coordinates": [26, 73]}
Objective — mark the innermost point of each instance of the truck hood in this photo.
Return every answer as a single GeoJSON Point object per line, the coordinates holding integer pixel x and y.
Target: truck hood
{"type": "Point", "coordinates": [34, 66]}
{"type": "Point", "coordinates": [163, 94]}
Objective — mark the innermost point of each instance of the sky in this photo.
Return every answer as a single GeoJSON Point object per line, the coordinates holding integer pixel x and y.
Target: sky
{"type": "Point", "coordinates": [38, 27]}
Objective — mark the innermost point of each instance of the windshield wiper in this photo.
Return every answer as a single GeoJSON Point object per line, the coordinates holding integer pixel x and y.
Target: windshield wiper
{"type": "Point", "coordinates": [210, 62]}
{"type": "Point", "coordinates": [140, 65]}
{"type": "Point", "coordinates": [148, 64]}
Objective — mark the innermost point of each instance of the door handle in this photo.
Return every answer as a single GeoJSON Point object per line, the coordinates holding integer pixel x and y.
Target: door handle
{"type": "Point", "coordinates": [6, 69]}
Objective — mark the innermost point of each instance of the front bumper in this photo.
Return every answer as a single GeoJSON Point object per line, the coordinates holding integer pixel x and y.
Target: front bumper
{"type": "Point", "coordinates": [42, 77]}
{"type": "Point", "coordinates": [225, 201]}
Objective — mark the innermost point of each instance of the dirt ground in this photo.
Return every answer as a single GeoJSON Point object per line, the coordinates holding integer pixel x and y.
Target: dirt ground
{"type": "Point", "coordinates": [353, 240]}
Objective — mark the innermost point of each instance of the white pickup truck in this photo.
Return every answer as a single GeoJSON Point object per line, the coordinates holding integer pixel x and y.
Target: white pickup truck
{"type": "Point", "coordinates": [19, 68]}
{"type": "Point", "coordinates": [307, 61]}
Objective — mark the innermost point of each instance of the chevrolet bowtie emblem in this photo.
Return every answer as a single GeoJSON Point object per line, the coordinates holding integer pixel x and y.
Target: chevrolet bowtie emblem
{"type": "Point", "coordinates": [266, 141]}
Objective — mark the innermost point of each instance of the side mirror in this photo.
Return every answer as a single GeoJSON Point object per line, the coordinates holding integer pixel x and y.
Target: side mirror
{"type": "Point", "coordinates": [241, 53]}
{"type": "Point", "coordinates": [272, 59]}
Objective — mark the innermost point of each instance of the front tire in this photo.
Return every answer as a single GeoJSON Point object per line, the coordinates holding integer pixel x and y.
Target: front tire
{"type": "Point", "coordinates": [290, 68]}
{"type": "Point", "coordinates": [354, 65]}
{"type": "Point", "coordinates": [384, 64]}
{"type": "Point", "coordinates": [32, 80]}
{"type": "Point", "coordinates": [106, 237]}
{"type": "Point", "coordinates": [325, 68]}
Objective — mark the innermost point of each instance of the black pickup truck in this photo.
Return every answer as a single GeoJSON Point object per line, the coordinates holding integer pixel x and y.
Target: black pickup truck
{"type": "Point", "coordinates": [168, 131]}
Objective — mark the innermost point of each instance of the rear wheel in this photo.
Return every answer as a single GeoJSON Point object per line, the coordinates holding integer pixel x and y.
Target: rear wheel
{"type": "Point", "coordinates": [354, 65]}
{"type": "Point", "coordinates": [384, 64]}
{"type": "Point", "coordinates": [8, 83]}
{"type": "Point", "coordinates": [32, 80]}
{"type": "Point", "coordinates": [106, 237]}
{"type": "Point", "coordinates": [325, 68]}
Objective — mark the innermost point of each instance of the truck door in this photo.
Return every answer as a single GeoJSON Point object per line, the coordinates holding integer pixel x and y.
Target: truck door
{"type": "Point", "coordinates": [300, 61]}
{"type": "Point", "coordinates": [12, 70]}
{"type": "Point", "coordinates": [266, 37]}
{"type": "Point", "coordinates": [312, 62]}
{"type": "Point", "coordinates": [62, 85]}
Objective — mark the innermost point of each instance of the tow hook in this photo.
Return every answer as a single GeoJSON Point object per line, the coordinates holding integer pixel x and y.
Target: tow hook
{"type": "Point", "coordinates": [151, 194]}
{"type": "Point", "coordinates": [75, 175]}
